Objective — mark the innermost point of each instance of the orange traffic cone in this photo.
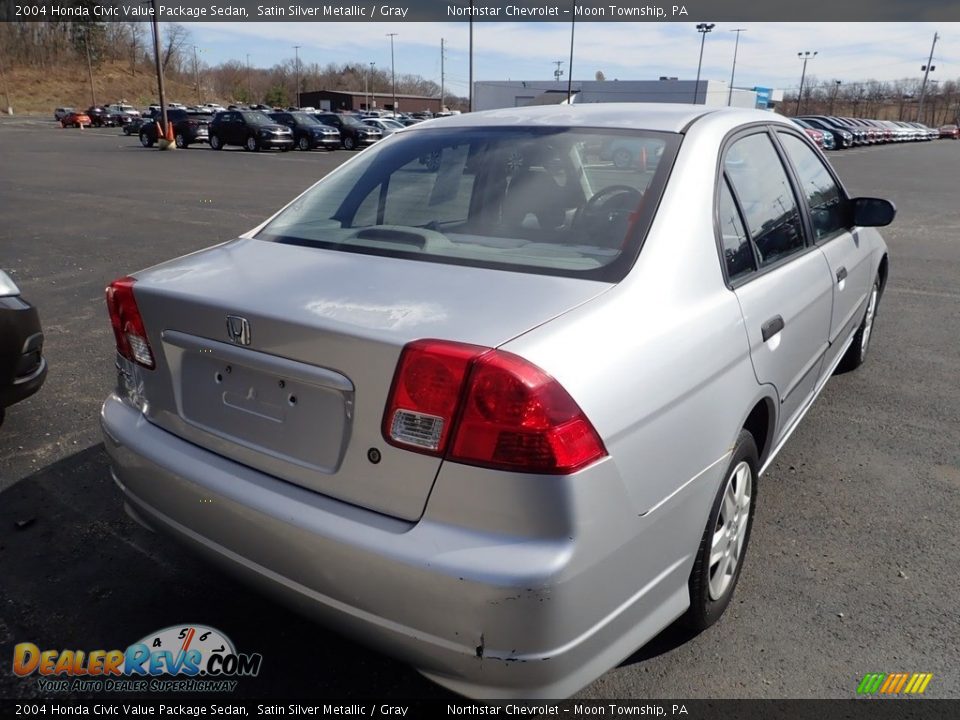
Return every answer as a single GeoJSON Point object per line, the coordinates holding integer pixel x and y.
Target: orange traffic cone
{"type": "Point", "coordinates": [169, 135]}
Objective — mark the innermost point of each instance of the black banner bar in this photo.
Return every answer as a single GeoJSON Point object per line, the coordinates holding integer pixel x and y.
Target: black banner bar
{"type": "Point", "coordinates": [860, 709]}
{"type": "Point", "coordinates": [401, 11]}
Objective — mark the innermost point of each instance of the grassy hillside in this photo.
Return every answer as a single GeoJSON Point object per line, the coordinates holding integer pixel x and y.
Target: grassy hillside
{"type": "Point", "coordinates": [34, 90]}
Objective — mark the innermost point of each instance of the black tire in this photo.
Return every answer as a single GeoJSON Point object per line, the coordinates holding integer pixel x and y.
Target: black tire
{"type": "Point", "coordinates": [349, 143]}
{"type": "Point", "coordinates": [145, 140]}
{"type": "Point", "coordinates": [215, 142]}
{"type": "Point", "coordinates": [303, 143]}
{"type": "Point", "coordinates": [181, 141]}
{"type": "Point", "coordinates": [708, 601]}
{"type": "Point", "coordinates": [252, 144]}
{"type": "Point", "coordinates": [856, 354]}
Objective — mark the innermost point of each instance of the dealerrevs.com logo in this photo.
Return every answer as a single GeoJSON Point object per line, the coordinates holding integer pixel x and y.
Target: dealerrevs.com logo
{"type": "Point", "coordinates": [180, 658]}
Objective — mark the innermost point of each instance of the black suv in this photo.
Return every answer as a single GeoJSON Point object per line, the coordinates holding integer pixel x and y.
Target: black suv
{"type": "Point", "coordinates": [308, 132]}
{"type": "Point", "coordinates": [100, 116]}
{"type": "Point", "coordinates": [353, 133]}
{"type": "Point", "coordinates": [250, 129]}
{"type": "Point", "coordinates": [189, 127]}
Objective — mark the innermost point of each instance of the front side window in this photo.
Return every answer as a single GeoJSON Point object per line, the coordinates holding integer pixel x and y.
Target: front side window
{"type": "Point", "coordinates": [766, 198]}
{"type": "Point", "coordinates": [829, 209]}
{"type": "Point", "coordinates": [544, 199]}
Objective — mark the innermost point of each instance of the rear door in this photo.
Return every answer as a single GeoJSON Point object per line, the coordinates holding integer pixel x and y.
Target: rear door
{"type": "Point", "coordinates": [830, 214]}
{"type": "Point", "coordinates": [781, 280]}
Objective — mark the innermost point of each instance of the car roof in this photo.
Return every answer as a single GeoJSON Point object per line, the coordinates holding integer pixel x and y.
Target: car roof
{"type": "Point", "coordinates": [664, 117]}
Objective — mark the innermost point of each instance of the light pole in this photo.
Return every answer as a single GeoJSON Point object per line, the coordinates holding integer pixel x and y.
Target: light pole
{"type": "Point", "coordinates": [926, 72]}
{"type": "Point", "coordinates": [805, 56]}
{"type": "Point", "coordinates": [573, 24]}
{"type": "Point", "coordinates": [833, 100]}
{"type": "Point", "coordinates": [296, 50]}
{"type": "Point", "coordinates": [366, 85]}
{"type": "Point", "coordinates": [249, 91]}
{"type": "Point", "coordinates": [703, 29]}
{"type": "Point", "coordinates": [733, 70]}
{"type": "Point", "coordinates": [393, 73]}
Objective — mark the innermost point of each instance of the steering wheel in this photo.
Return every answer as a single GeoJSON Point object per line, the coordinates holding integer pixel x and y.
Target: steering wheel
{"type": "Point", "coordinates": [611, 199]}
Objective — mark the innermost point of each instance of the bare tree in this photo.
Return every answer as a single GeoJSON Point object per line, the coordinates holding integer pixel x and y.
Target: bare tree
{"type": "Point", "coordinates": [175, 38]}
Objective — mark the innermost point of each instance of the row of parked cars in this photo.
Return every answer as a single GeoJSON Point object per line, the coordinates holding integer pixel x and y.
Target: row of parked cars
{"type": "Point", "coordinates": [258, 130]}
{"type": "Point", "coordinates": [837, 133]}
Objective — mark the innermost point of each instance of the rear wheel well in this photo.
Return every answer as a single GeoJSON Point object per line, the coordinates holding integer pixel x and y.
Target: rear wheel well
{"type": "Point", "coordinates": [758, 424]}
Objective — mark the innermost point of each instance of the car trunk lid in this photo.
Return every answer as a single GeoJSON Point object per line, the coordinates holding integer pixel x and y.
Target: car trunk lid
{"type": "Point", "coordinates": [281, 357]}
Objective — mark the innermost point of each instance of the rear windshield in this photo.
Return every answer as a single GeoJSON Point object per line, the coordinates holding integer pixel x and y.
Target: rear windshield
{"type": "Point", "coordinates": [573, 202]}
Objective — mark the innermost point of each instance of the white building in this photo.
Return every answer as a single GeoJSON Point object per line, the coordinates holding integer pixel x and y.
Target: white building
{"type": "Point", "coordinates": [490, 95]}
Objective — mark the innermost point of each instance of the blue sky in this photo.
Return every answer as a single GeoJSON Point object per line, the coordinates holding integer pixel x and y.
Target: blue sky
{"type": "Point", "coordinates": [767, 56]}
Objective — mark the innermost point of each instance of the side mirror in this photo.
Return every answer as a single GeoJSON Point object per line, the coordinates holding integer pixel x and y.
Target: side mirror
{"type": "Point", "coordinates": [873, 212]}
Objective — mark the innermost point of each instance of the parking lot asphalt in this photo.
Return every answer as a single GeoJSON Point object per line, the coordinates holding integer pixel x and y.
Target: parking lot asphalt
{"type": "Point", "coordinates": [852, 564]}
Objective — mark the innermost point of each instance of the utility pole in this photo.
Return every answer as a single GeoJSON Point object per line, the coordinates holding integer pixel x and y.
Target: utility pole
{"type": "Point", "coordinates": [470, 80]}
{"type": "Point", "coordinates": [249, 90]}
{"type": "Point", "coordinates": [86, 45]}
{"type": "Point", "coordinates": [733, 70]}
{"type": "Point", "coordinates": [366, 83]}
{"type": "Point", "coordinates": [442, 78]}
{"type": "Point", "coordinates": [558, 72]}
{"type": "Point", "coordinates": [805, 56]}
{"type": "Point", "coordinates": [393, 73]}
{"type": "Point", "coordinates": [926, 72]}
{"type": "Point", "coordinates": [573, 11]}
{"type": "Point", "coordinates": [156, 57]}
{"type": "Point", "coordinates": [703, 29]}
{"type": "Point", "coordinates": [196, 74]}
{"type": "Point", "coordinates": [296, 50]}
{"type": "Point", "coordinates": [6, 91]}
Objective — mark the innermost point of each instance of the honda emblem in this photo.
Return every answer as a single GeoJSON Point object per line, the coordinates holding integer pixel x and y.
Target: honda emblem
{"type": "Point", "coordinates": [238, 330]}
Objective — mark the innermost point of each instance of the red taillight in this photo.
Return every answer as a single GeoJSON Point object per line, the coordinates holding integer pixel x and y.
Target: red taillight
{"type": "Point", "coordinates": [128, 329]}
{"type": "Point", "coordinates": [486, 407]}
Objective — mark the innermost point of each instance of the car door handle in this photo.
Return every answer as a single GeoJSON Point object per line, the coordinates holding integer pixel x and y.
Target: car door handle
{"type": "Point", "coordinates": [841, 274]}
{"type": "Point", "coordinates": [771, 327]}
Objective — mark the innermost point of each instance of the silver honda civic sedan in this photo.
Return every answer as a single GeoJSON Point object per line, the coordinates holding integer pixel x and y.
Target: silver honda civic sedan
{"type": "Point", "coordinates": [489, 401]}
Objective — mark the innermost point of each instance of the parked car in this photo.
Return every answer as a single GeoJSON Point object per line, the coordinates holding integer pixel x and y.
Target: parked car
{"type": "Point", "coordinates": [133, 127]}
{"type": "Point", "coordinates": [949, 131]}
{"type": "Point", "coordinates": [189, 128]}
{"type": "Point", "coordinates": [122, 114]}
{"type": "Point", "coordinates": [308, 132]}
{"type": "Point", "coordinates": [842, 137]}
{"type": "Point", "coordinates": [61, 112]}
{"type": "Point", "coordinates": [22, 365]}
{"type": "Point", "coordinates": [386, 126]}
{"type": "Point", "coordinates": [76, 119]}
{"type": "Point", "coordinates": [353, 133]}
{"type": "Point", "coordinates": [628, 152]}
{"type": "Point", "coordinates": [250, 129]}
{"type": "Point", "coordinates": [505, 420]}
{"type": "Point", "coordinates": [99, 116]}
{"type": "Point", "coordinates": [212, 108]}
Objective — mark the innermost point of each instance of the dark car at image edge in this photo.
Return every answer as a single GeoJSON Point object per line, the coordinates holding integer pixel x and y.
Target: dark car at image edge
{"type": "Point", "coordinates": [188, 128]}
{"type": "Point", "coordinates": [250, 129]}
{"type": "Point", "coordinates": [22, 365]}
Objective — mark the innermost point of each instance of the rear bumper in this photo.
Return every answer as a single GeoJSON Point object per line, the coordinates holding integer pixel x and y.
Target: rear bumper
{"type": "Point", "coordinates": [23, 368]}
{"type": "Point", "coordinates": [485, 614]}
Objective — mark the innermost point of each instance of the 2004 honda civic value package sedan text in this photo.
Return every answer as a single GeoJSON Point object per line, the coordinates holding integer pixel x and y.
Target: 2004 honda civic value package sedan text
{"type": "Point", "coordinates": [489, 402]}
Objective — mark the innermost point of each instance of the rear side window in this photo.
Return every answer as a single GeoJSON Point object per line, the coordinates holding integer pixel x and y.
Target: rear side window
{"type": "Point", "coordinates": [737, 253]}
{"type": "Point", "coordinates": [766, 198]}
{"type": "Point", "coordinates": [553, 200]}
{"type": "Point", "coordinates": [828, 205]}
